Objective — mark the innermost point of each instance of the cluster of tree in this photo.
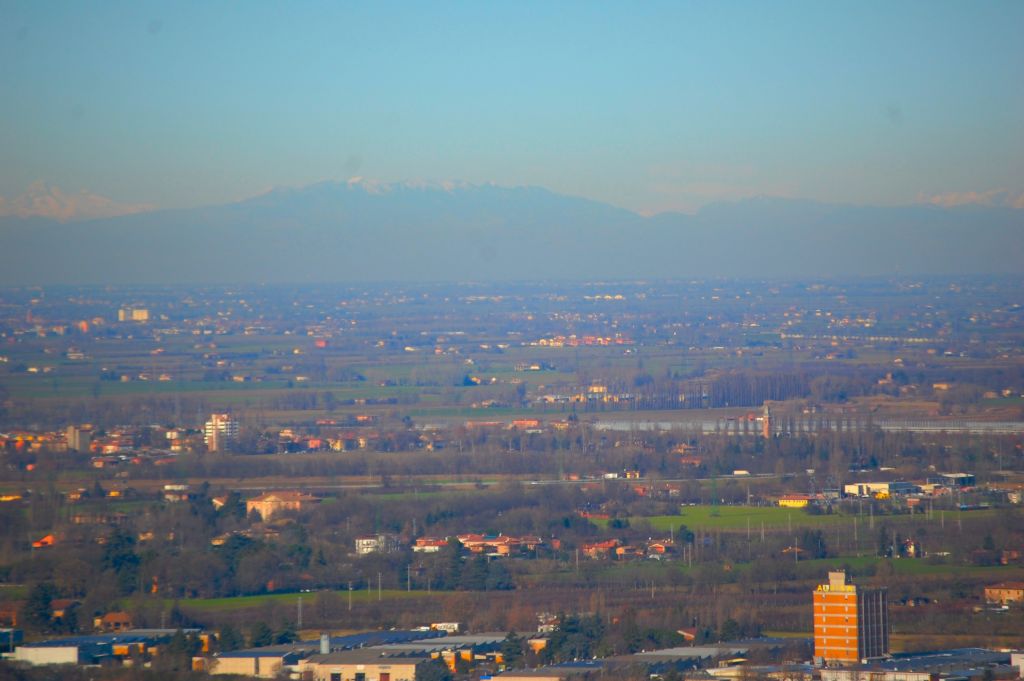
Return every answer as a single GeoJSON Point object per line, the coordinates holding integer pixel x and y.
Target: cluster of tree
{"type": "Point", "coordinates": [260, 634]}
{"type": "Point", "coordinates": [453, 570]}
{"type": "Point", "coordinates": [38, 611]}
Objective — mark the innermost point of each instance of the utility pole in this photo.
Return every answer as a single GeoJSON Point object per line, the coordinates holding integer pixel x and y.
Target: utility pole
{"type": "Point", "coordinates": [378, 587]}
{"type": "Point", "coordinates": [350, 595]}
{"type": "Point", "coordinates": [298, 617]}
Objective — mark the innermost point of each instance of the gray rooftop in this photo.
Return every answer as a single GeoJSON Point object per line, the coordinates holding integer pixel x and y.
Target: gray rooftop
{"type": "Point", "coordinates": [692, 652]}
{"type": "Point", "coordinates": [366, 656]}
{"type": "Point", "coordinates": [957, 658]}
{"type": "Point", "coordinates": [127, 636]}
{"type": "Point", "coordinates": [446, 643]}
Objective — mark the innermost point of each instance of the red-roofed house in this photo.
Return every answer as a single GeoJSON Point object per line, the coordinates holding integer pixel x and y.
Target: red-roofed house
{"type": "Point", "coordinates": [600, 549]}
{"type": "Point", "coordinates": [113, 621]}
{"type": "Point", "coordinates": [429, 544]}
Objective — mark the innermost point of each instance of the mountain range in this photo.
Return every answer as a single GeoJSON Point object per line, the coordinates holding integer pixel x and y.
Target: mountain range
{"type": "Point", "coordinates": [363, 231]}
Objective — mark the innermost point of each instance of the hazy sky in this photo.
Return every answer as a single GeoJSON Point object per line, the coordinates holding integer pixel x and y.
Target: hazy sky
{"type": "Point", "coordinates": [650, 106]}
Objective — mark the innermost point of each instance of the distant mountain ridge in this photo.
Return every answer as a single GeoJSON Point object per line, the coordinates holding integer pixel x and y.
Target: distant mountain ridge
{"type": "Point", "coordinates": [364, 231]}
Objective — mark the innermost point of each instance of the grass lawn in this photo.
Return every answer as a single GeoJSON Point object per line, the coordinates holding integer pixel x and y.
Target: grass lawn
{"type": "Point", "coordinates": [13, 592]}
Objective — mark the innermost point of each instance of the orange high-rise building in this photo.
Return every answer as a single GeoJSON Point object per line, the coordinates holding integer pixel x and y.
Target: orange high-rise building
{"type": "Point", "coordinates": [850, 624]}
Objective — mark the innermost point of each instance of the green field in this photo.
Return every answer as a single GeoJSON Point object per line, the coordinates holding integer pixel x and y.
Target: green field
{"type": "Point", "coordinates": [910, 566]}
{"type": "Point", "coordinates": [708, 517]}
{"type": "Point", "coordinates": [406, 496]}
{"type": "Point", "coordinates": [245, 602]}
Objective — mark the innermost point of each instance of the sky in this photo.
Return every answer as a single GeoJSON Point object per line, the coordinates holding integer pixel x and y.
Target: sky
{"type": "Point", "coordinates": [652, 106]}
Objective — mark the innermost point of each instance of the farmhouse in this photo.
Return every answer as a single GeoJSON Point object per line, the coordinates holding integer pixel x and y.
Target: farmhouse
{"type": "Point", "coordinates": [1005, 593]}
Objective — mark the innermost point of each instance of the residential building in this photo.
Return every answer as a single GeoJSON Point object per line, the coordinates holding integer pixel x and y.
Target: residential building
{"type": "Point", "coordinates": [795, 500]}
{"type": "Point", "coordinates": [79, 439]}
{"type": "Point", "coordinates": [660, 547]}
{"type": "Point", "coordinates": [429, 544]}
{"type": "Point", "coordinates": [133, 314]}
{"type": "Point", "coordinates": [879, 489]}
{"type": "Point", "coordinates": [273, 503]}
{"type": "Point", "coordinates": [113, 621]}
{"type": "Point", "coordinates": [10, 612]}
{"type": "Point", "coordinates": [376, 543]}
{"type": "Point", "coordinates": [176, 493]}
{"type": "Point", "coordinates": [220, 433]}
{"type": "Point", "coordinates": [851, 624]}
{"type": "Point", "coordinates": [498, 545]}
{"type": "Point", "coordinates": [601, 549]}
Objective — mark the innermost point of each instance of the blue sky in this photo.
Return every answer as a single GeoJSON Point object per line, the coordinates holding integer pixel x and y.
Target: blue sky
{"type": "Point", "coordinates": [650, 106]}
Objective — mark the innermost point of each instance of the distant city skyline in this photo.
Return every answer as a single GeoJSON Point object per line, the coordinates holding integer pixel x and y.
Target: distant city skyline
{"type": "Point", "coordinates": [651, 107]}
